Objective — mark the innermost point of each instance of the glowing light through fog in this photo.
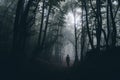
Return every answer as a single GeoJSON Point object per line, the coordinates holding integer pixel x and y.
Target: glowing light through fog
{"type": "Point", "coordinates": [70, 18]}
{"type": "Point", "coordinates": [69, 34]}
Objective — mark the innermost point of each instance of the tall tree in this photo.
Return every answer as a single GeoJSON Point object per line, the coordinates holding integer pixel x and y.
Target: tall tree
{"type": "Point", "coordinates": [99, 23]}
{"type": "Point", "coordinates": [19, 12]}
{"type": "Point", "coordinates": [41, 25]}
{"type": "Point", "coordinates": [20, 27]}
{"type": "Point", "coordinates": [114, 30]}
{"type": "Point", "coordinates": [87, 24]}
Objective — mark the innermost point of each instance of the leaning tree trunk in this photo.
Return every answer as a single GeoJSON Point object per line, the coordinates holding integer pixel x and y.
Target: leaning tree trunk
{"type": "Point", "coordinates": [46, 26]}
{"type": "Point", "coordinates": [41, 25]}
{"type": "Point", "coordinates": [87, 24]}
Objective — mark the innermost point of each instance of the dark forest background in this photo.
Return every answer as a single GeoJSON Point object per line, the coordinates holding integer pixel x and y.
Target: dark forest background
{"type": "Point", "coordinates": [34, 34]}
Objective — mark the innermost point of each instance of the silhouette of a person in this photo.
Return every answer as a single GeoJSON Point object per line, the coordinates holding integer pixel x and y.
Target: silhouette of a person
{"type": "Point", "coordinates": [68, 60]}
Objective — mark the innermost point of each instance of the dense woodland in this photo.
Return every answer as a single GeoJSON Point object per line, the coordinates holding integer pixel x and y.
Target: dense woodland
{"type": "Point", "coordinates": [36, 36]}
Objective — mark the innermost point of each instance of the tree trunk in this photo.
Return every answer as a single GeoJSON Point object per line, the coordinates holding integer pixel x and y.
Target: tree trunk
{"type": "Point", "coordinates": [108, 26]}
{"type": "Point", "coordinates": [15, 55]}
{"type": "Point", "coordinates": [87, 24]}
{"type": "Point", "coordinates": [99, 23]}
{"type": "Point", "coordinates": [41, 25]}
{"type": "Point", "coordinates": [82, 38]}
{"type": "Point", "coordinates": [16, 34]}
{"type": "Point", "coordinates": [46, 27]}
{"type": "Point", "coordinates": [114, 31]}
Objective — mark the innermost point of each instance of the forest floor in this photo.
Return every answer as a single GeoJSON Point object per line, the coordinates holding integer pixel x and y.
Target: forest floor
{"type": "Point", "coordinates": [39, 71]}
{"type": "Point", "coordinates": [103, 67]}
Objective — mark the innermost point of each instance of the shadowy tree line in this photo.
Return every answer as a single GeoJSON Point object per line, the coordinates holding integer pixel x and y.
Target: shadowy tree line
{"type": "Point", "coordinates": [44, 19]}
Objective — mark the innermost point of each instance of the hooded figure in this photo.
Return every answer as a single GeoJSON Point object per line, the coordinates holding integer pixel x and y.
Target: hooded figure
{"type": "Point", "coordinates": [68, 60]}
